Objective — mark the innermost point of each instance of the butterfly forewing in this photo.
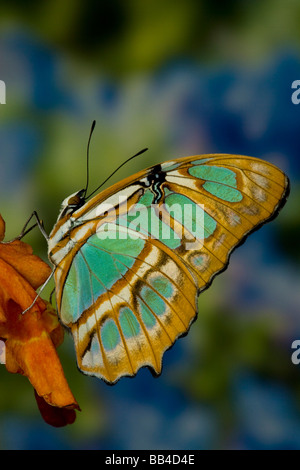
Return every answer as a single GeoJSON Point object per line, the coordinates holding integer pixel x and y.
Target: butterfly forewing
{"type": "Point", "coordinates": [131, 261]}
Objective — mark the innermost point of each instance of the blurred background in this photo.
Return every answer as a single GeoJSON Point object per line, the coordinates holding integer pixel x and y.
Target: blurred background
{"type": "Point", "coordinates": [182, 78]}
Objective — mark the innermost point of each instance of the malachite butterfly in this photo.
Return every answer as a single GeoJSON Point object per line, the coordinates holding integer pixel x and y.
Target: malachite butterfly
{"type": "Point", "coordinates": [131, 262]}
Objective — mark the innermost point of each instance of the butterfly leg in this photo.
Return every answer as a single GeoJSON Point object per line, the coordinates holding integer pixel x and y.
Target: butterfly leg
{"type": "Point", "coordinates": [40, 290]}
{"type": "Point", "coordinates": [24, 231]}
{"type": "Point", "coordinates": [39, 223]}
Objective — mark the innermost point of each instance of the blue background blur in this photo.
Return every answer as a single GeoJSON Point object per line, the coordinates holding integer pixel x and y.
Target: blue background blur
{"type": "Point", "coordinates": [182, 78]}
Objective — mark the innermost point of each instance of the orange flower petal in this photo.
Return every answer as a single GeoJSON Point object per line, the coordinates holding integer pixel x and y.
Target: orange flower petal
{"type": "Point", "coordinates": [19, 255]}
{"type": "Point", "coordinates": [31, 352]}
{"type": "Point", "coordinates": [31, 338]}
{"type": "Point", "coordinates": [54, 416]}
{"type": "Point", "coordinates": [15, 287]}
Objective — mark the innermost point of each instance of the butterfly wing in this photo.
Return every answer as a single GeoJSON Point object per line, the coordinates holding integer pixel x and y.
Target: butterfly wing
{"type": "Point", "coordinates": [125, 301]}
{"type": "Point", "coordinates": [136, 256]}
{"type": "Point", "coordinates": [238, 194]}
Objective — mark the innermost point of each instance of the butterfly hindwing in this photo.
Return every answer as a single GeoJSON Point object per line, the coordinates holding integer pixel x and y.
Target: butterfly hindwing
{"type": "Point", "coordinates": [135, 301]}
{"type": "Point", "coordinates": [131, 261]}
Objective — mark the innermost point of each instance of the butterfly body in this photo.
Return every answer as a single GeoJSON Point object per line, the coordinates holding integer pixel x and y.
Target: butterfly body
{"type": "Point", "coordinates": [131, 261]}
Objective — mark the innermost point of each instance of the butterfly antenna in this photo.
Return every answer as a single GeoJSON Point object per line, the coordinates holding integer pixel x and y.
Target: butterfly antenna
{"type": "Point", "coordinates": [88, 157]}
{"type": "Point", "coordinates": [124, 163]}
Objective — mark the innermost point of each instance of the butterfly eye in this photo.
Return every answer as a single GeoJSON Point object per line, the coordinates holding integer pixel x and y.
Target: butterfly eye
{"type": "Point", "coordinates": [74, 201]}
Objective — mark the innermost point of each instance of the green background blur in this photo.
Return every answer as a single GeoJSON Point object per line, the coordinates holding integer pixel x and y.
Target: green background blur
{"type": "Point", "coordinates": [182, 78]}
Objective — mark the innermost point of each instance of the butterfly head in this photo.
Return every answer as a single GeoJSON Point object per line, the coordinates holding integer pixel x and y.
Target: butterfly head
{"type": "Point", "coordinates": [72, 203]}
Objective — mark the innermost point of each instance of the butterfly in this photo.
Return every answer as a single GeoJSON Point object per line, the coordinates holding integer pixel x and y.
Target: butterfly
{"type": "Point", "coordinates": [131, 262]}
